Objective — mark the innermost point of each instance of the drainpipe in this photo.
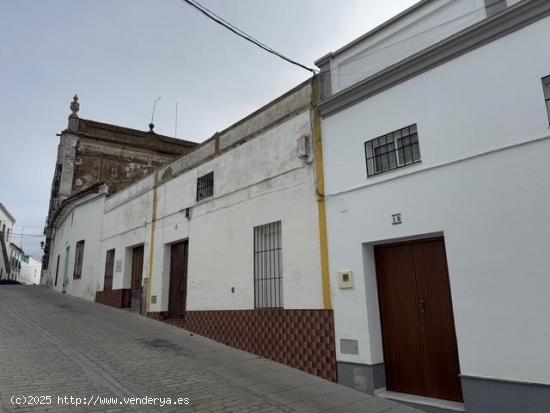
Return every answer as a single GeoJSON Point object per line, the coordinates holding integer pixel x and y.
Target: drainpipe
{"type": "Point", "coordinates": [320, 189]}
{"type": "Point", "coordinates": [152, 242]}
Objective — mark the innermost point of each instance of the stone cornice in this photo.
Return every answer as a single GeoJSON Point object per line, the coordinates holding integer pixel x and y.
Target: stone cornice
{"type": "Point", "coordinates": [508, 21]}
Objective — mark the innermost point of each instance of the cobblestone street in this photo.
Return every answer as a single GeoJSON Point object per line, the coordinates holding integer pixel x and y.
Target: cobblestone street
{"type": "Point", "coordinates": [55, 345]}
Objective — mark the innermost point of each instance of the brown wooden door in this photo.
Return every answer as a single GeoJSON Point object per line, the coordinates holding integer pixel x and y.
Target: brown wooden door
{"type": "Point", "coordinates": [109, 267]}
{"type": "Point", "coordinates": [178, 280]}
{"type": "Point", "coordinates": [420, 350]}
{"type": "Point", "coordinates": [56, 270]}
{"type": "Point", "coordinates": [137, 275]}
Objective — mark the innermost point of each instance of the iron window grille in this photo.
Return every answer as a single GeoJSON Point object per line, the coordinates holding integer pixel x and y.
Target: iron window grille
{"type": "Point", "coordinates": [546, 89]}
{"type": "Point", "coordinates": [78, 258]}
{"type": "Point", "coordinates": [268, 266]}
{"type": "Point", "coordinates": [392, 151]}
{"type": "Point", "coordinates": [205, 186]}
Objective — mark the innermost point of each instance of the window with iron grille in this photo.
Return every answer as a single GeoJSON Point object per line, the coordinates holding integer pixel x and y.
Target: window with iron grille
{"type": "Point", "coordinates": [392, 151]}
{"type": "Point", "coordinates": [78, 258]}
{"type": "Point", "coordinates": [268, 266]}
{"type": "Point", "coordinates": [205, 186]}
{"type": "Point", "coordinates": [546, 88]}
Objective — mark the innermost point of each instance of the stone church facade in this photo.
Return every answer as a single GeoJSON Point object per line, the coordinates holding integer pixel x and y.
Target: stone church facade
{"type": "Point", "coordinates": [92, 153]}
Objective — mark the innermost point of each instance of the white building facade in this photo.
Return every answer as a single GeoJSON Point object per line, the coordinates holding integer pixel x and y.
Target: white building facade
{"type": "Point", "coordinates": [31, 270]}
{"type": "Point", "coordinates": [7, 221]}
{"type": "Point", "coordinates": [228, 241]}
{"type": "Point", "coordinates": [436, 137]}
{"type": "Point", "coordinates": [16, 252]}
{"type": "Point", "coordinates": [74, 252]}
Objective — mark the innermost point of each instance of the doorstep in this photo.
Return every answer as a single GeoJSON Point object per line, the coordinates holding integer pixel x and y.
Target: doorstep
{"type": "Point", "coordinates": [418, 401]}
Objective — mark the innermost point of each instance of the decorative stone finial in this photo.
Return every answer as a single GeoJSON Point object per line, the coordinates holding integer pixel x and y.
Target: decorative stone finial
{"type": "Point", "coordinates": [75, 106]}
{"type": "Point", "coordinates": [151, 127]}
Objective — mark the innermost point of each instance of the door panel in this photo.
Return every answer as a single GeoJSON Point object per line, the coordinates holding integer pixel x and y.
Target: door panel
{"type": "Point", "coordinates": [66, 269]}
{"type": "Point", "coordinates": [137, 275]}
{"type": "Point", "coordinates": [414, 293]}
{"type": "Point", "coordinates": [109, 267]}
{"type": "Point", "coordinates": [400, 323]}
{"type": "Point", "coordinates": [440, 352]}
{"type": "Point", "coordinates": [178, 280]}
{"type": "Point", "coordinates": [56, 270]}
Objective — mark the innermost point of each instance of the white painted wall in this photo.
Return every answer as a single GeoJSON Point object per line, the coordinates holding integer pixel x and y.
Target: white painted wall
{"type": "Point", "coordinates": [482, 183]}
{"type": "Point", "coordinates": [258, 182]}
{"type": "Point", "coordinates": [30, 271]}
{"type": "Point", "coordinates": [258, 179]}
{"type": "Point", "coordinates": [83, 222]}
{"type": "Point", "coordinates": [126, 224]}
{"type": "Point", "coordinates": [6, 225]}
{"type": "Point", "coordinates": [408, 35]}
{"type": "Point", "coordinates": [15, 252]}
{"type": "Point", "coordinates": [7, 220]}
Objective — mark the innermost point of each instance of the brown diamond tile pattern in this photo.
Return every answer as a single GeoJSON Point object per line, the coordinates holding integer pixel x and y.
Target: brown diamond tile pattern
{"type": "Point", "coordinates": [158, 315]}
{"type": "Point", "coordinates": [115, 298]}
{"type": "Point", "coordinates": [303, 339]}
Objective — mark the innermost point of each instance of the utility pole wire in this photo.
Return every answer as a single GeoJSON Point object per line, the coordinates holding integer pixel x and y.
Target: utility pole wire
{"type": "Point", "coordinates": [27, 235]}
{"type": "Point", "coordinates": [211, 15]}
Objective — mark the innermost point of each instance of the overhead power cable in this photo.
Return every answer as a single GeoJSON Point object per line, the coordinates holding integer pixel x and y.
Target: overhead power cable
{"type": "Point", "coordinates": [27, 235]}
{"type": "Point", "coordinates": [213, 16]}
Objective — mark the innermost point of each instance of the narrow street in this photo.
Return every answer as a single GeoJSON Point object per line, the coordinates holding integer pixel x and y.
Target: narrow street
{"type": "Point", "coordinates": [60, 346]}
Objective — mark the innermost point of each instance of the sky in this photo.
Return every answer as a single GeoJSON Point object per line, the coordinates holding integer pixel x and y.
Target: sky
{"type": "Point", "coordinates": [120, 55]}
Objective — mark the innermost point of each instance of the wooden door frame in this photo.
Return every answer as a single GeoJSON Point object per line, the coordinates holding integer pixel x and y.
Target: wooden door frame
{"type": "Point", "coordinates": [131, 250]}
{"type": "Point", "coordinates": [66, 278]}
{"type": "Point", "coordinates": [416, 239]}
{"type": "Point", "coordinates": [433, 237]}
{"type": "Point", "coordinates": [57, 270]}
{"type": "Point", "coordinates": [169, 261]}
{"type": "Point", "coordinates": [107, 269]}
{"type": "Point", "coordinates": [127, 264]}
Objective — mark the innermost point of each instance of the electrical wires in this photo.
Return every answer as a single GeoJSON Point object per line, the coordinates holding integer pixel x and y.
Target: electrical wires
{"type": "Point", "coordinates": [213, 16]}
{"type": "Point", "coordinates": [27, 235]}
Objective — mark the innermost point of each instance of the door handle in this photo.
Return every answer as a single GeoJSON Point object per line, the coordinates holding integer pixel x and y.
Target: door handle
{"type": "Point", "coordinates": [422, 306]}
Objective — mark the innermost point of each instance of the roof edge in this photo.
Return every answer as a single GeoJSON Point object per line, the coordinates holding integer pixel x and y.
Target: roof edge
{"type": "Point", "coordinates": [508, 21]}
{"type": "Point", "coordinates": [264, 107]}
{"type": "Point", "coordinates": [5, 209]}
{"type": "Point", "coordinates": [373, 31]}
{"type": "Point", "coordinates": [131, 131]}
{"type": "Point", "coordinates": [100, 188]}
